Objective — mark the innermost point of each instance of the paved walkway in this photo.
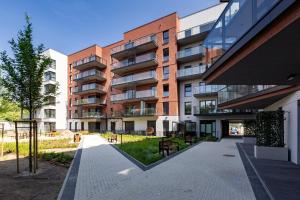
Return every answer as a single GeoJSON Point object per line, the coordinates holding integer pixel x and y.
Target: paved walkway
{"type": "Point", "coordinates": [202, 172]}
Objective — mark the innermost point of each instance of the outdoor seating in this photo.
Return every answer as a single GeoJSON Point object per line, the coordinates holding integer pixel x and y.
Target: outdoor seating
{"type": "Point", "coordinates": [113, 138]}
{"type": "Point", "coordinates": [150, 131]}
{"type": "Point", "coordinates": [168, 146]}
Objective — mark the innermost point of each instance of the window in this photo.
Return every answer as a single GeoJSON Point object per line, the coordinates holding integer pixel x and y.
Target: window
{"type": "Point", "coordinates": [71, 79]}
{"type": "Point", "coordinates": [188, 51]}
{"type": "Point", "coordinates": [50, 101]}
{"type": "Point", "coordinates": [49, 113]}
{"type": "Point", "coordinates": [50, 76]}
{"type": "Point", "coordinates": [166, 90]}
{"type": "Point", "coordinates": [166, 37]}
{"type": "Point", "coordinates": [187, 90]}
{"type": "Point", "coordinates": [188, 33]}
{"type": "Point", "coordinates": [49, 89]}
{"type": "Point", "coordinates": [166, 72]}
{"type": "Point", "coordinates": [207, 106]}
{"type": "Point", "coordinates": [165, 108]}
{"type": "Point", "coordinates": [187, 108]}
{"type": "Point", "coordinates": [70, 126]}
{"type": "Point", "coordinates": [70, 67]}
{"type": "Point", "coordinates": [166, 54]}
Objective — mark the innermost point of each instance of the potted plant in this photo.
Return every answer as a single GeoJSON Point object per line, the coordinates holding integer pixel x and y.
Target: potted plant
{"type": "Point", "coordinates": [249, 132]}
{"type": "Point", "coordinates": [270, 136]}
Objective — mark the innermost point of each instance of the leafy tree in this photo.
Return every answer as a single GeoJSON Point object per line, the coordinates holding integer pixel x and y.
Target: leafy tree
{"type": "Point", "coordinates": [9, 111]}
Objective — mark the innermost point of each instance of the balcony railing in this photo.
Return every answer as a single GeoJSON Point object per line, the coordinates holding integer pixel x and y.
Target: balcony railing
{"type": "Point", "coordinates": [238, 17]}
{"type": "Point", "coordinates": [134, 95]}
{"type": "Point", "coordinates": [195, 70]}
{"type": "Point", "coordinates": [139, 112]}
{"type": "Point", "coordinates": [88, 60]}
{"type": "Point", "coordinates": [232, 92]}
{"type": "Point", "coordinates": [190, 52]}
{"type": "Point", "coordinates": [135, 43]}
{"type": "Point", "coordinates": [195, 30]}
{"type": "Point", "coordinates": [207, 89]}
{"type": "Point", "coordinates": [89, 73]}
{"type": "Point", "coordinates": [134, 78]}
{"type": "Point", "coordinates": [87, 101]}
{"type": "Point", "coordinates": [214, 111]}
{"type": "Point", "coordinates": [87, 87]}
{"type": "Point", "coordinates": [137, 60]}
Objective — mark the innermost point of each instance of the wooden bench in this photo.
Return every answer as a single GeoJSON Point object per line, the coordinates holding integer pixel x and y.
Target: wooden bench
{"type": "Point", "coordinates": [112, 138]}
{"type": "Point", "coordinates": [168, 145]}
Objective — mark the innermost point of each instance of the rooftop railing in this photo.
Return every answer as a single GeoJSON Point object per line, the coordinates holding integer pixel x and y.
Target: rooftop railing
{"type": "Point", "coordinates": [134, 78]}
{"type": "Point", "coordinates": [138, 59]}
{"type": "Point", "coordinates": [232, 92]}
{"type": "Point", "coordinates": [89, 59]}
{"type": "Point", "coordinates": [195, 30]}
{"type": "Point", "coordinates": [238, 17]}
{"type": "Point", "coordinates": [134, 43]}
{"type": "Point", "coordinates": [190, 52]}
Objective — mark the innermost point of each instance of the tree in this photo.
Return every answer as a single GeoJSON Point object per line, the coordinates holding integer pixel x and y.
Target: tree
{"type": "Point", "coordinates": [22, 76]}
{"type": "Point", "coordinates": [9, 111]}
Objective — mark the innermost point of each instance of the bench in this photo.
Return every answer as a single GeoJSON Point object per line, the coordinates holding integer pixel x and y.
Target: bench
{"type": "Point", "coordinates": [168, 145]}
{"type": "Point", "coordinates": [112, 138]}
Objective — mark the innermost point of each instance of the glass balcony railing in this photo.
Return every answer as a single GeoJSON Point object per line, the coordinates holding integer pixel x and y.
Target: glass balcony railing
{"type": "Point", "coordinates": [206, 89]}
{"type": "Point", "coordinates": [195, 30]}
{"type": "Point", "coordinates": [135, 43]}
{"type": "Point", "coordinates": [92, 115]}
{"type": "Point", "coordinates": [134, 95]}
{"type": "Point", "coordinates": [86, 101]}
{"type": "Point", "coordinates": [213, 111]}
{"type": "Point", "coordinates": [89, 59]}
{"type": "Point", "coordinates": [232, 92]}
{"type": "Point", "coordinates": [134, 78]}
{"type": "Point", "coordinates": [137, 60]}
{"type": "Point", "coordinates": [238, 17]}
{"type": "Point", "coordinates": [139, 112]}
{"type": "Point", "coordinates": [87, 87]}
{"type": "Point", "coordinates": [190, 52]}
{"type": "Point", "coordinates": [195, 70]}
{"type": "Point", "coordinates": [88, 73]}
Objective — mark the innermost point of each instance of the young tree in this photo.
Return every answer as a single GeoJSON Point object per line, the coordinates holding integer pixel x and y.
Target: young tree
{"type": "Point", "coordinates": [22, 75]}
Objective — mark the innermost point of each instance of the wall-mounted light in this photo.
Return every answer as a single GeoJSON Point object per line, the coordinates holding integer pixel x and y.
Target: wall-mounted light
{"type": "Point", "coordinates": [291, 77]}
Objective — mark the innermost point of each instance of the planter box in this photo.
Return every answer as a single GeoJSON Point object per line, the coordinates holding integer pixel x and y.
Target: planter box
{"type": "Point", "coordinates": [249, 140]}
{"type": "Point", "coordinates": [271, 153]}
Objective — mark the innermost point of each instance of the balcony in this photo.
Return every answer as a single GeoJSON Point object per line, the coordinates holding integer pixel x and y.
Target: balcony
{"type": "Point", "coordinates": [244, 44]}
{"type": "Point", "coordinates": [132, 96]}
{"type": "Point", "coordinates": [200, 111]}
{"type": "Point", "coordinates": [137, 46]}
{"type": "Point", "coordinates": [140, 62]}
{"type": "Point", "coordinates": [135, 80]}
{"type": "Point", "coordinates": [189, 54]}
{"type": "Point", "coordinates": [207, 90]}
{"type": "Point", "coordinates": [191, 73]}
{"type": "Point", "coordinates": [94, 101]}
{"type": "Point", "coordinates": [90, 75]}
{"type": "Point", "coordinates": [88, 115]}
{"type": "Point", "coordinates": [88, 62]}
{"type": "Point", "coordinates": [194, 34]}
{"type": "Point", "coordinates": [139, 112]}
{"type": "Point", "coordinates": [88, 89]}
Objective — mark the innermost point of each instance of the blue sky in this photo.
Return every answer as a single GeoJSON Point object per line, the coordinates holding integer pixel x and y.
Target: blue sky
{"type": "Point", "coordinates": [70, 25]}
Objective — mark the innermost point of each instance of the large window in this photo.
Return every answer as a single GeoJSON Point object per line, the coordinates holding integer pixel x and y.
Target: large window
{"type": "Point", "coordinates": [187, 108]}
{"type": "Point", "coordinates": [166, 54]}
{"type": "Point", "coordinates": [165, 108]}
{"type": "Point", "coordinates": [166, 72]}
{"type": "Point", "coordinates": [165, 90]}
{"type": "Point", "coordinates": [50, 76]}
{"type": "Point", "coordinates": [207, 106]}
{"type": "Point", "coordinates": [49, 113]}
{"type": "Point", "coordinates": [166, 37]}
{"type": "Point", "coordinates": [187, 90]}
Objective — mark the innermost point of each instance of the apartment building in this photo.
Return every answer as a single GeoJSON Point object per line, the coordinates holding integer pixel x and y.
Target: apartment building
{"type": "Point", "coordinates": [53, 116]}
{"type": "Point", "coordinates": [244, 49]}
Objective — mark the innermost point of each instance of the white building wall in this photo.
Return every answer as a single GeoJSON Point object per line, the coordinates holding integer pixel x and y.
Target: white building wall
{"type": "Point", "coordinates": [290, 105]}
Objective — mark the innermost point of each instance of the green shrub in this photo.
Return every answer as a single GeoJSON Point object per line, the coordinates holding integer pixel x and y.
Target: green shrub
{"type": "Point", "coordinates": [60, 158]}
{"type": "Point", "coordinates": [250, 128]}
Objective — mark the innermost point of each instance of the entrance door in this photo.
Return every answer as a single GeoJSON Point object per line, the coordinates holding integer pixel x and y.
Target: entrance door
{"type": "Point", "coordinates": [165, 127]}
{"type": "Point", "coordinates": [207, 127]}
{"type": "Point", "coordinates": [82, 126]}
{"type": "Point", "coordinates": [129, 126]}
{"type": "Point", "coordinates": [113, 127]}
{"type": "Point", "coordinates": [225, 128]}
{"type": "Point", "coordinates": [153, 125]}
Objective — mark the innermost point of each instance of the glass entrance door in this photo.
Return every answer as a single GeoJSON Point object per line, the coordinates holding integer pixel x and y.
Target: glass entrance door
{"type": "Point", "coordinates": [207, 127]}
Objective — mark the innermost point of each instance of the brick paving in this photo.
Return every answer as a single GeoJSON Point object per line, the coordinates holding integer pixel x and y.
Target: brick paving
{"type": "Point", "coordinates": [202, 172]}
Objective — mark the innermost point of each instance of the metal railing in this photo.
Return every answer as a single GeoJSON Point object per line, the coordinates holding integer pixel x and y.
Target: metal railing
{"type": "Point", "coordinates": [87, 87]}
{"type": "Point", "coordinates": [232, 92]}
{"type": "Point", "coordinates": [134, 78]}
{"type": "Point", "coordinates": [134, 43]}
{"type": "Point", "coordinates": [134, 95]}
{"type": "Point", "coordinates": [195, 30]}
{"type": "Point", "coordinates": [195, 70]}
{"type": "Point", "coordinates": [190, 52]}
{"type": "Point", "coordinates": [89, 59]}
{"type": "Point", "coordinates": [137, 60]}
{"type": "Point", "coordinates": [93, 100]}
{"type": "Point", "coordinates": [238, 17]}
{"type": "Point", "coordinates": [88, 73]}
{"type": "Point", "coordinates": [206, 89]}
